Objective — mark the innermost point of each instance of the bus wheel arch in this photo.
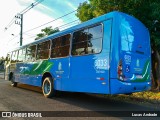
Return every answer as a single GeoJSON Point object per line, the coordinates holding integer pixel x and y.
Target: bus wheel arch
{"type": "Point", "coordinates": [46, 74]}
{"type": "Point", "coordinates": [48, 85]}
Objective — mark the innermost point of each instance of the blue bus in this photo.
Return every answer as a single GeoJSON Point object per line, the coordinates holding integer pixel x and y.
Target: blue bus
{"type": "Point", "coordinates": [109, 54]}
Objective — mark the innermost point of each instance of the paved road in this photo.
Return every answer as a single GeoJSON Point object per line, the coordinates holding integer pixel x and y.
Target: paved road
{"type": "Point", "coordinates": [28, 98]}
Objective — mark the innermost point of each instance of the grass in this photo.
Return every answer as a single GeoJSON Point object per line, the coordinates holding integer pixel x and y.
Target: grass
{"type": "Point", "coordinates": [140, 97]}
{"type": "Point", "coordinates": [148, 96]}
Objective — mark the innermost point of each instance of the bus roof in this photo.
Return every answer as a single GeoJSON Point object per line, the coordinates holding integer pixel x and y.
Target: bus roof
{"type": "Point", "coordinates": [75, 28]}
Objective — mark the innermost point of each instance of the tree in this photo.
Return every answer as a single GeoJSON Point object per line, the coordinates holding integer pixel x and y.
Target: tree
{"type": "Point", "coordinates": [146, 11]}
{"type": "Point", "coordinates": [46, 31]}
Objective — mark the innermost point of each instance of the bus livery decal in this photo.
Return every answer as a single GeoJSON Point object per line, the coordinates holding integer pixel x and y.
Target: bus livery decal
{"type": "Point", "coordinates": [145, 75]}
{"type": "Point", "coordinates": [39, 68]}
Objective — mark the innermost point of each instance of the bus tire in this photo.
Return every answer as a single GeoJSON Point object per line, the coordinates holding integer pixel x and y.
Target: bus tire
{"type": "Point", "coordinates": [11, 78]}
{"type": "Point", "coordinates": [14, 84]}
{"type": "Point", "coordinates": [47, 87]}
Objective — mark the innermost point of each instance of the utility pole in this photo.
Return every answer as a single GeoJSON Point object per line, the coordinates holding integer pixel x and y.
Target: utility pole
{"type": "Point", "coordinates": [19, 21]}
{"type": "Point", "coordinates": [21, 32]}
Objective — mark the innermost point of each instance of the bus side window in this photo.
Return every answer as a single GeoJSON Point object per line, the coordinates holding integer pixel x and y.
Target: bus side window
{"type": "Point", "coordinates": [31, 53]}
{"type": "Point", "coordinates": [79, 43]}
{"type": "Point", "coordinates": [21, 55]}
{"type": "Point", "coordinates": [60, 46]}
{"type": "Point", "coordinates": [14, 57]}
{"type": "Point", "coordinates": [95, 39]}
{"type": "Point", "coordinates": [88, 41]}
{"type": "Point", "coordinates": [43, 50]}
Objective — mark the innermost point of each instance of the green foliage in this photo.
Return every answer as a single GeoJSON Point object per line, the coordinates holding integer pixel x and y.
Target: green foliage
{"type": "Point", "coordinates": [40, 35]}
{"type": "Point", "coordinates": [139, 97]}
{"type": "Point", "coordinates": [85, 12]}
{"type": "Point", "coordinates": [149, 95]}
{"type": "Point", "coordinates": [46, 31]}
{"type": "Point", "coordinates": [146, 11]}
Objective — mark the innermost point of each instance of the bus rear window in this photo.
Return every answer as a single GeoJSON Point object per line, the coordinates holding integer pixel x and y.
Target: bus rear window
{"type": "Point", "coordinates": [134, 36]}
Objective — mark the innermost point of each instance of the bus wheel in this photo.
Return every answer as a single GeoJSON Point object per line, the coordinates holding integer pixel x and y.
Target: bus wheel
{"type": "Point", "coordinates": [11, 78]}
{"type": "Point", "coordinates": [47, 87]}
{"type": "Point", "coordinates": [14, 84]}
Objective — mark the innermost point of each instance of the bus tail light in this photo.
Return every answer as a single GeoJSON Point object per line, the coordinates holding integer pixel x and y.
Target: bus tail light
{"type": "Point", "coordinates": [120, 71]}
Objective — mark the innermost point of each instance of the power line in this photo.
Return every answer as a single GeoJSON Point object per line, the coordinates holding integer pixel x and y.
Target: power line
{"type": "Point", "coordinates": [34, 35]}
{"type": "Point", "coordinates": [23, 12]}
{"type": "Point", "coordinates": [51, 21]}
{"type": "Point", "coordinates": [29, 34]}
{"type": "Point", "coordinates": [20, 16]}
{"type": "Point", "coordinates": [62, 26]}
{"type": "Point", "coordinates": [31, 6]}
{"type": "Point", "coordinates": [13, 38]}
{"type": "Point", "coordinates": [34, 4]}
{"type": "Point", "coordinates": [48, 23]}
{"type": "Point", "coordinates": [10, 23]}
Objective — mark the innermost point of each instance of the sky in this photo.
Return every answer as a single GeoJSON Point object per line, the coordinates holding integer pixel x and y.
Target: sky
{"type": "Point", "coordinates": [44, 12]}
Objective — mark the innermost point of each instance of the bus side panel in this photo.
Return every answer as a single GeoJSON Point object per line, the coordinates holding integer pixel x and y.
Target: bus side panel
{"type": "Point", "coordinates": [86, 76]}
{"type": "Point", "coordinates": [60, 72]}
{"type": "Point", "coordinates": [29, 73]}
{"type": "Point", "coordinates": [90, 73]}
